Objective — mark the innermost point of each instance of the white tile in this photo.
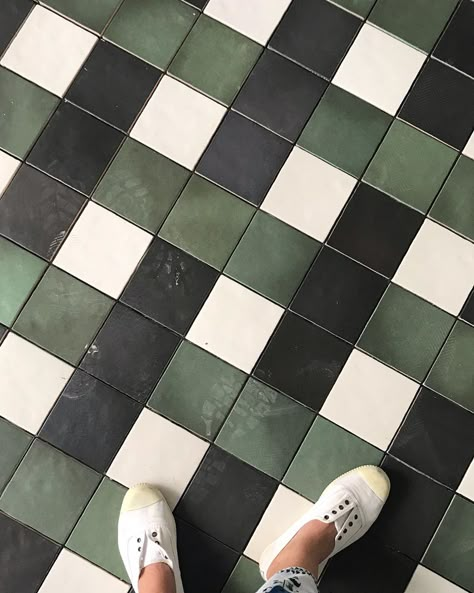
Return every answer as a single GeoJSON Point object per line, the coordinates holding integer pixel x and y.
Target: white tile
{"type": "Point", "coordinates": [103, 249]}
{"type": "Point", "coordinates": [309, 194]}
{"type": "Point", "coordinates": [285, 508]}
{"type": "Point", "coordinates": [439, 267]}
{"type": "Point", "coordinates": [426, 581]}
{"type": "Point", "coordinates": [158, 452]}
{"type": "Point", "coordinates": [79, 575]}
{"type": "Point", "coordinates": [466, 487]}
{"type": "Point", "coordinates": [178, 122]}
{"type": "Point", "coordinates": [8, 166]}
{"type": "Point", "coordinates": [379, 69]}
{"type": "Point", "coordinates": [30, 381]}
{"type": "Point", "coordinates": [48, 50]}
{"type": "Point", "coordinates": [369, 399]}
{"type": "Point", "coordinates": [469, 148]}
{"type": "Point", "coordinates": [235, 324]}
{"type": "Point", "coordinates": [256, 19]}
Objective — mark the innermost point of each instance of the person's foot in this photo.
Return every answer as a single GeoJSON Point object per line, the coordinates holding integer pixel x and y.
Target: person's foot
{"type": "Point", "coordinates": [147, 533]}
{"type": "Point", "coordinates": [344, 512]}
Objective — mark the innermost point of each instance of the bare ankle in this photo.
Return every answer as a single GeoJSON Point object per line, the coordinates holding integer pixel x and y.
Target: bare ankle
{"type": "Point", "coordinates": [157, 578]}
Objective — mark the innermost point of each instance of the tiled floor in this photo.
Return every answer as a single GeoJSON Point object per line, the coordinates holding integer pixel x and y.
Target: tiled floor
{"type": "Point", "coordinates": [236, 260]}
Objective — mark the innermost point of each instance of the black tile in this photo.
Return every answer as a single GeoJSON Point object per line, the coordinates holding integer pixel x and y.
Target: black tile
{"type": "Point", "coordinates": [244, 157]}
{"type": "Point", "coordinates": [280, 95]}
{"type": "Point", "coordinates": [130, 352]}
{"type": "Point", "coordinates": [113, 84]}
{"type": "Point", "coordinates": [316, 34]}
{"type": "Point", "coordinates": [456, 46]}
{"type": "Point", "coordinates": [13, 13]}
{"type": "Point", "coordinates": [37, 211]}
{"type": "Point", "coordinates": [437, 438]}
{"type": "Point", "coordinates": [75, 147]}
{"type": "Point", "coordinates": [197, 3]}
{"type": "Point", "coordinates": [205, 563]}
{"type": "Point", "coordinates": [170, 286]}
{"type": "Point", "coordinates": [339, 294]}
{"type": "Point", "coordinates": [413, 510]}
{"type": "Point", "coordinates": [303, 361]}
{"type": "Point", "coordinates": [368, 567]}
{"type": "Point", "coordinates": [26, 557]}
{"type": "Point", "coordinates": [226, 498]}
{"type": "Point", "coordinates": [376, 230]}
{"type": "Point", "coordinates": [468, 309]}
{"type": "Point", "coordinates": [90, 421]}
{"type": "Point", "coordinates": [440, 103]}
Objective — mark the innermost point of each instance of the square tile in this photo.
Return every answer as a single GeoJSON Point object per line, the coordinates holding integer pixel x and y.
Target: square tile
{"type": "Point", "coordinates": [446, 113]}
{"type": "Point", "coordinates": [75, 148]}
{"type": "Point", "coordinates": [235, 324]}
{"type": "Point", "coordinates": [14, 442]}
{"type": "Point", "coordinates": [93, 15]}
{"type": "Point", "coordinates": [138, 24]}
{"type": "Point", "coordinates": [48, 50]}
{"type": "Point", "coordinates": [90, 421]}
{"type": "Point", "coordinates": [245, 577]}
{"type": "Point", "coordinates": [326, 296]}
{"type": "Point", "coordinates": [197, 390]}
{"type": "Point", "coordinates": [410, 165]}
{"type": "Point", "coordinates": [456, 41]}
{"type": "Point", "coordinates": [369, 399]}
{"type": "Point", "coordinates": [437, 438]}
{"type": "Point", "coordinates": [30, 381]}
{"type": "Point", "coordinates": [49, 491]}
{"type": "Point", "coordinates": [102, 249]}
{"type": "Point", "coordinates": [113, 85]}
{"type": "Point", "coordinates": [244, 158]}
{"type": "Point", "coordinates": [360, 7]}
{"type": "Point", "coordinates": [19, 270]}
{"type": "Point", "coordinates": [14, 13]}
{"type": "Point", "coordinates": [169, 286]}
{"type": "Point", "coordinates": [205, 210]}
{"type": "Point", "coordinates": [327, 452]}
{"type": "Point", "coordinates": [63, 315]}
{"type": "Point", "coordinates": [215, 59]}
{"type": "Point", "coordinates": [344, 130]}
{"type": "Point", "coordinates": [256, 20]}
{"type": "Point", "coordinates": [439, 267]}
{"type": "Point", "coordinates": [8, 167]}
{"type": "Point", "coordinates": [319, 190]}
{"type": "Point", "coordinates": [466, 487]}
{"type": "Point", "coordinates": [280, 95]}
{"type": "Point", "coordinates": [316, 34]}
{"type": "Point", "coordinates": [302, 360]}
{"type": "Point", "coordinates": [178, 122]}
{"type": "Point", "coordinates": [141, 185]}
{"type": "Point", "coordinates": [137, 460]}
{"type": "Point", "coordinates": [253, 429]}
{"type": "Point", "coordinates": [379, 69]}
{"type": "Point", "coordinates": [406, 332]}
{"type": "Point", "coordinates": [223, 482]}
{"type": "Point", "coordinates": [272, 258]}
{"type": "Point", "coordinates": [130, 352]}
{"type": "Point", "coordinates": [426, 580]}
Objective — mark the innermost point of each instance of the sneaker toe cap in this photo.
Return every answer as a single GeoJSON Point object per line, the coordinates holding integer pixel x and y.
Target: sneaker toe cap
{"type": "Point", "coordinates": [140, 496]}
{"type": "Point", "coordinates": [376, 479]}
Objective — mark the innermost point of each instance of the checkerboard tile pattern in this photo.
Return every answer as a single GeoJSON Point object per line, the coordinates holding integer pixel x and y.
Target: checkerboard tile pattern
{"type": "Point", "coordinates": [236, 256]}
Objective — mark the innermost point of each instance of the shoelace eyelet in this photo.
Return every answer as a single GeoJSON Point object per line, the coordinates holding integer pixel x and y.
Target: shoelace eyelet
{"type": "Point", "coordinates": [334, 512]}
{"type": "Point", "coordinates": [346, 502]}
{"type": "Point", "coordinates": [351, 524]}
{"type": "Point", "coordinates": [326, 517]}
{"type": "Point", "coordinates": [355, 517]}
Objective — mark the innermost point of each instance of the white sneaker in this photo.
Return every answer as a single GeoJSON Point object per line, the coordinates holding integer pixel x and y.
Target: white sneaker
{"type": "Point", "coordinates": [352, 502]}
{"type": "Point", "coordinates": [147, 533]}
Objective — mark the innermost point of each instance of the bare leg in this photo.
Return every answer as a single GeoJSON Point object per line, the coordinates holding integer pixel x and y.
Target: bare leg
{"type": "Point", "coordinates": [156, 578]}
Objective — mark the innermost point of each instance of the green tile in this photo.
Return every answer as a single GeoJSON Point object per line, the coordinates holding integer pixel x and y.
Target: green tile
{"type": "Point", "coordinates": [19, 271]}
{"type": "Point", "coordinates": [272, 258]}
{"type": "Point", "coordinates": [410, 165]}
{"type": "Point", "coordinates": [197, 390]}
{"type": "Point", "coordinates": [453, 372]}
{"type": "Point", "coordinates": [327, 452]}
{"type": "Point", "coordinates": [451, 552]}
{"type": "Point", "coordinates": [152, 30]}
{"type": "Point", "coordinates": [13, 443]}
{"type": "Point", "coordinates": [454, 205]}
{"type": "Point", "coordinates": [406, 332]}
{"type": "Point", "coordinates": [244, 578]}
{"type": "Point", "coordinates": [63, 315]}
{"type": "Point", "coordinates": [345, 130]}
{"type": "Point", "coordinates": [90, 13]}
{"type": "Point", "coordinates": [95, 535]}
{"type": "Point", "coordinates": [141, 185]}
{"type": "Point", "coordinates": [265, 428]}
{"type": "Point", "coordinates": [24, 110]}
{"type": "Point", "coordinates": [207, 222]}
{"type": "Point", "coordinates": [215, 59]}
{"type": "Point", "coordinates": [360, 7]}
{"type": "Point", "coordinates": [419, 22]}
{"type": "Point", "coordinates": [49, 491]}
